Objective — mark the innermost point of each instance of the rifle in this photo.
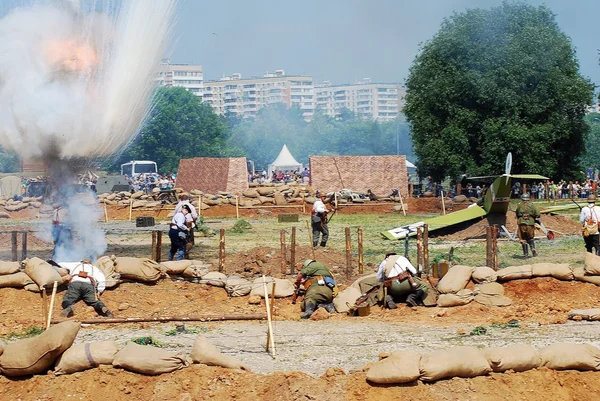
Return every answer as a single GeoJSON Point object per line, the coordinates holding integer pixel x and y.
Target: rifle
{"type": "Point", "coordinates": [573, 200]}
{"type": "Point", "coordinates": [297, 293]}
{"type": "Point", "coordinates": [364, 296]}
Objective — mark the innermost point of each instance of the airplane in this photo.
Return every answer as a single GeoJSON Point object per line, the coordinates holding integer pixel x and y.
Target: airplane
{"type": "Point", "coordinates": [495, 202]}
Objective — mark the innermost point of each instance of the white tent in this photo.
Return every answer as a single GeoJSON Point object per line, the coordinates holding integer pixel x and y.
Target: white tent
{"type": "Point", "coordinates": [284, 162]}
{"type": "Point", "coordinates": [410, 165]}
{"type": "Point", "coordinates": [10, 186]}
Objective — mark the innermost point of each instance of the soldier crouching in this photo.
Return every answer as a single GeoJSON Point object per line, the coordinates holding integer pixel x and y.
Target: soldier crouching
{"type": "Point", "coordinates": [319, 285]}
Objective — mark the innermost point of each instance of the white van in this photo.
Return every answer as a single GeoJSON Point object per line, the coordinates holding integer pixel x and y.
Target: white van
{"type": "Point", "coordinates": [137, 167]}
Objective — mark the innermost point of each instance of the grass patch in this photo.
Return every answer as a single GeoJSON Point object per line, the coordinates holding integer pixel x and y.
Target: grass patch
{"type": "Point", "coordinates": [148, 341]}
{"type": "Point", "coordinates": [175, 332]}
{"type": "Point", "coordinates": [31, 331]}
{"type": "Point", "coordinates": [240, 227]}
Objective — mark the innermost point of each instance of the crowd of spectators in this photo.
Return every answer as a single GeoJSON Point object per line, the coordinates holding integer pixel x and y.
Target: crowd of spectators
{"type": "Point", "coordinates": [147, 182]}
{"type": "Point", "coordinates": [280, 176]}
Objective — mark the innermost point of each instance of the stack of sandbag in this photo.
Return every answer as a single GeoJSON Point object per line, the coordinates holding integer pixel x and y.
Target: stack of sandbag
{"type": "Point", "coordinates": [346, 299]}
{"type": "Point", "coordinates": [491, 294]}
{"type": "Point", "coordinates": [560, 271]}
{"type": "Point", "coordinates": [42, 272]}
{"type": "Point", "coordinates": [590, 273]}
{"type": "Point", "coordinates": [176, 267]}
{"type": "Point", "coordinates": [237, 286]}
{"type": "Point", "coordinates": [462, 297]}
{"type": "Point", "coordinates": [139, 269]}
{"type": "Point", "coordinates": [9, 268]}
{"type": "Point", "coordinates": [563, 356]}
{"type": "Point", "coordinates": [207, 354]}
{"type": "Point", "coordinates": [585, 314]}
{"type": "Point", "coordinates": [12, 276]}
{"type": "Point", "coordinates": [86, 356]}
{"type": "Point", "coordinates": [36, 355]}
{"type": "Point", "coordinates": [483, 274]}
{"type": "Point", "coordinates": [196, 271]}
{"type": "Point", "coordinates": [106, 264]}
{"type": "Point", "coordinates": [399, 367]}
{"type": "Point", "coordinates": [518, 358]}
{"type": "Point", "coordinates": [454, 362]}
{"type": "Point", "coordinates": [149, 360]}
{"type": "Point", "coordinates": [515, 273]}
{"type": "Point", "coordinates": [216, 279]}
{"type": "Point", "coordinates": [283, 287]}
{"type": "Point", "coordinates": [455, 279]}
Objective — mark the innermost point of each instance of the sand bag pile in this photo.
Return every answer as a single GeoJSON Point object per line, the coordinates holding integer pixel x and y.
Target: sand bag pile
{"type": "Point", "coordinates": [207, 354]}
{"type": "Point", "coordinates": [283, 287]}
{"type": "Point", "coordinates": [149, 360]}
{"type": "Point", "coordinates": [85, 356]}
{"type": "Point", "coordinates": [106, 264]}
{"type": "Point", "coordinates": [42, 272]}
{"type": "Point", "coordinates": [139, 269]}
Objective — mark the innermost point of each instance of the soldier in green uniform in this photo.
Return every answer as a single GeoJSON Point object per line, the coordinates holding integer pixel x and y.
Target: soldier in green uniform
{"type": "Point", "coordinates": [527, 214]}
{"type": "Point", "coordinates": [398, 275]}
{"type": "Point", "coordinates": [319, 285]}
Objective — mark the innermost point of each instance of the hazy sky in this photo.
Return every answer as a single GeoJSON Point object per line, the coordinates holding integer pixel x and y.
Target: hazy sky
{"type": "Point", "coordinates": [341, 40]}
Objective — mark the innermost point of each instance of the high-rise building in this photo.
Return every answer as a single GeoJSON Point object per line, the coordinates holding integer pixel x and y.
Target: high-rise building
{"type": "Point", "coordinates": [185, 75]}
{"type": "Point", "coordinates": [377, 101]}
{"type": "Point", "coordinates": [245, 97]}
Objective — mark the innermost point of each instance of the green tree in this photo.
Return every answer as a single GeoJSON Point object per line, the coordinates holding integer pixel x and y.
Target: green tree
{"type": "Point", "coordinates": [180, 127]}
{"type": "Point", "coordinates": [9, 161]}
{"type": "Point", "coordinates": [591, 156]}
{"type": "Point", "coordinates": [494, 81]}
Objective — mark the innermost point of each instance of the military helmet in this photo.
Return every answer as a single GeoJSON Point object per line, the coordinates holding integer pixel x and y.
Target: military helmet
{"type": "Point", "coordinates": [525, 197]}
{"type": "Point", "coordinates": [306, 263]}
{"type": "Point", "coordinates": [591, 198]}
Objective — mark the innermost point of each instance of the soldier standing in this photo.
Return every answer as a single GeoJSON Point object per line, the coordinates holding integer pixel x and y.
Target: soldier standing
{"type": "Point", "coordinates": [319, 285]}
{"type": "Point", "coordinates": [590, 216]}
{"type": "Point", "coordinates": [319, 221]}
{"type": "Point", "coordinates": [527, 214]}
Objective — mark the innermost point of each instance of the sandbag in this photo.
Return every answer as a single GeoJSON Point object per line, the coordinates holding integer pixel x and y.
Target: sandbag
{"type": "Point", "coordinates": [516, 357]}
{"type": "Point", "coordinates": [490, 289]}
{"type": "Point", "coordinates": [195, 271]}
{"type": "Point", "coordinates": [514, 273]}
{"type": "Point", "coordinates": [149, 360]}
{"type": "Point", "coordinates": [85, 356]}
{"type": "Point", "coordinates": [16, 280]}
{"type": "Point", "coordinates": [591, 265]}
{"type": "Point", "coordinates": [454, 362]}
{"type": "Point", "coordinates": [455, 280]}
{"type": "Point", "coordinates": [9, 267]}
{"type": "Point", "coordinates": [106, 265]}
{"type": "Point", "coordinates": [214, 278]}
{"type": "Point", "coordinates": [283, 287]}
{"type": "Point", "coordinates": [33, 287]}
{"type": "Point", "coordinates": [35, 355]}
{"type": "Point", "coordinates": [585, 314]}
{"type": "Point", "coordinates": [399, 367]}
{"type": "Point", "coordinates": [560, 271]}
{"type": "Point", "coordinates": [176, 267]}
{"type": "Point", "coordinates": [2, 345]}
{"type": "Point", "coordinates": [579, 274]}
{"type": "Point", "coordinates": [139, 269]}
{"type": "Point", "coordinates": [237, 286]}
{"type": "Point", "coordinates": [492, 300]}
{"type": "Point", "coordinates": [41, 272]}
{"type": "Point", "coordinates": [484, 274]}
{"type": "Point", "coordinates": [345, 298]}
{"type": "Point", "coordinates": [207, 354]}
{"type": "Point", "coordinates": [462, 297]}
{"type": "Point", "coordinates": [563, 356]}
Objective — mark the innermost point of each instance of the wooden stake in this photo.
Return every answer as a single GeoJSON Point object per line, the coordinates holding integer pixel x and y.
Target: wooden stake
{"type": "Point", "coordinates": [153, 252]}
{"type": "Point", "coordinates": [199, 318]}
{"type": "Point", "coordinates": [360, 251]}
{"type": "Point", "coordinates": [348, 254]}
{"type": "Point", "coordinates": [303, 204]}
{"type": "Point", "coordinates": [402, 203]}
{"type": "Point", "coordinates": [310, 241]}
{"type": "Point", "coordinates": [270, 337]}
{"type": "Point", "coordinates": [495, 247]}
{"type": "Point", "coordinates": [222, 251]}
{"type": "Point", "coordinates": [44, 305]}
{"type": "Point", "coordinates": [420, 249]}
{"type": "Point", "coordinates": [237, 207]}
{"type": "Point", "coordinates": [13, 242]}
{"type": "Point", "coordinates": [199, 206]}
{"type": "Point", "coordinates": [293, 251]}
{"type": "Point", "coordinates": [51, 304]}
{"type": "Point", "coordinates": [283, 251]}
{"type": "Point", "coordinates": [130, 208]}
{"type": "Point", "coordinates": [24, 245]}
{"type": "Point", "coordinates": [158, 246]}
{"type": "Point", "coordinates": [426, 248]}
{"type": "Point", "coordinates": [443, 203]}
{"type": "Point", "coordinates": [411, 190]}
{"type": "Point", "coordinates": [105, 214]}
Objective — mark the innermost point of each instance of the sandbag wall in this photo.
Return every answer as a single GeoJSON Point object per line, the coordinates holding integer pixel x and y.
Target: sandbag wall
{"type": "Point", "coordinates": [408, 366]}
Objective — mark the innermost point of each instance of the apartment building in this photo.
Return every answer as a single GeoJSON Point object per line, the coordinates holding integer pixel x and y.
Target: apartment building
{"type": "Point", "coordinates": [377, 101]}
{"type": "Point", "coordinates": [244, 97]}
{"type": "Point", "coordinates": [188, 76]}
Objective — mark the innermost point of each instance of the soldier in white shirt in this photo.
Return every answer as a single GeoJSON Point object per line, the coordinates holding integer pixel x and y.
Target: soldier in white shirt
{"type": "Point", "coordinates": [398, 275]}
{"type": "Point", "coordinates": [319, 221]}
{"type": "Point", "coordinates": [86, 282]}
{"type": "Point", "coordinates": [178, 231]}
{"type": "Point", "coordinates": [589, 216]}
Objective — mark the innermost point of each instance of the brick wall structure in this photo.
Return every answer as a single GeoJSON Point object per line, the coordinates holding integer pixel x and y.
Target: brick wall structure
{"type": "Point", "coordinates": [211, 174]}
{"type": "Point", "coordinates": [380, 174]}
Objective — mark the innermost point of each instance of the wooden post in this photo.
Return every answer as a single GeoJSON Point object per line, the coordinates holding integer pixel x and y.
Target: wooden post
{"type": "Point", "coordinates": [547, 186]}
{"type": "Point", "coordinates": [420, 249]}
{"type": "Point", "coordinates": [360, 251]}
{"type": "Point", "coordinates": [283, 251]}
{"type": "Point", "coordinates": [426, 248]}
{"type": "Point", "coordinates": [348, 254]}
{"type": "Point", "coordinates": [270, 337]}
{"type": "Point", "coordinates": [13, 242]}
{"type": "Point", "coordinates": [293, 251]}
{"type": "Point", "coordinates": [105, 214]}
{"type": "Point", "coordinates": [495, 246]}
{"type": "Point", "coordinates": [411, 190]}
{"type": "Point", "coordinates": [303, 204]}
{"type": "Point", "coordinates": [459, 189]}
{"type": "Point", "coordinates": [44, 304]}
{"type": "Point", "coordinates": [153, 253]}
{"type": "Point", "coordinates": [158, 246]}
{"type": "Point", "coordinates": [222, 251]}
{"type": "Point", "coordinates": [402, 203]}
{"type": "Point", "coordinates": [310, 241]}
{"type": "Point", "coordinates": [489, 247]}
{"type": "Point", "coordinates": [51, 304]}
{"type": "Point", "coordinates": [443, 203]}
{"type": "Point", "coordinates": [237, 207]}
{"type": "Point", "coordinates": [130, 208]}
{"type": "Point", "coordinates": [24, 245]}
{"type": "Point", "coordinates": [406, 246]}
{"type": "Point", "coordinates": [199, 206]}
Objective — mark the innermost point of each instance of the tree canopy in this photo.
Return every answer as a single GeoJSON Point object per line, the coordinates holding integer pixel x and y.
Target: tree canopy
{"type": "Point", "coordinates": [494, 81]}
{"type": "Point", "coordinates": [591, 156]}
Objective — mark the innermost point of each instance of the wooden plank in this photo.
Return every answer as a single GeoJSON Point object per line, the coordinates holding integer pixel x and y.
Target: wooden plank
{"type": "Point", "coordinates": [348, 253]}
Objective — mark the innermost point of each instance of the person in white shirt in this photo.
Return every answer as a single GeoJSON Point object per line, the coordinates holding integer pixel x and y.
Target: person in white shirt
{"type": "Point", "coordinates": [319, 221]}
{"type": "Point", "coordinates": [589, 216]}
{"type": "Point", "coordinates": [86, 282]}
{"type": "Point", "coordinates": [191, 218]}
{"type": "Point", "coordinates": [398, 275]}
{"type": "Point", "coordinates": [178, 233]}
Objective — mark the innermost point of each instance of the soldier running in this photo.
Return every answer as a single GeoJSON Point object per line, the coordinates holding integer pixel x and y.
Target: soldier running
{"type": "Point", "coordinates": [527, 214]}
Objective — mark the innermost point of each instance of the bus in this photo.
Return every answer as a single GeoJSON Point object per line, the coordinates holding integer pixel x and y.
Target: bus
{"type": "Point", "coordinates": [137, 167]}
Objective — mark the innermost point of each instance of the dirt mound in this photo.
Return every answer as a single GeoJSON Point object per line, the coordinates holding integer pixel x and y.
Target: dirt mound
{"type": "Point", "coordinates": [201, 383]}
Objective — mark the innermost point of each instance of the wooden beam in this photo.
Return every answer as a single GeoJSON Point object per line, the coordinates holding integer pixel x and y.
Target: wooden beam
{"type": "Point", "coordinates": [199, 318]}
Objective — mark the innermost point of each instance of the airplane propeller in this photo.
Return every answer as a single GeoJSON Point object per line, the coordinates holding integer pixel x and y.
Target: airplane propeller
{"type": "Point", "coordinates": [508, 166]}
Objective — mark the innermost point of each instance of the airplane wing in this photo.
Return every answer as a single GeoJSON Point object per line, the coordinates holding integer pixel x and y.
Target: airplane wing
{"type": "Point", "coordinates": [436, 223]}
{"type": "Point", "coordinates": [530, 176]}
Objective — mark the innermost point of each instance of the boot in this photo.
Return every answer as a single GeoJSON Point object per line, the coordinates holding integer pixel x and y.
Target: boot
{"type": "Point", "coordinates": [525, 251]}
{"type": "Point", "coordinates": [67, 312]}
{"type": "Point", "coordinates": [416, 298]}
{"type": "Point", "coordinates": [315, 244]}
{"type": "Point", "coordinates": [330, 307]}
{"type": "Point", "coordinates": [323, 243]}
{"type": "Point", "coordinates": [532, 246]}
{"type": "Point", "coordinates": [309, 309]}
{"type": "Point", "coordinates": [389, 302]}
{"type": "Point", "coordinates": [106, 313]}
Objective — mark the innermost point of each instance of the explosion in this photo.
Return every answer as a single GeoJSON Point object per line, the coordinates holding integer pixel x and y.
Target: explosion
{"type": "Point", "coordinates": [70, 56]}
